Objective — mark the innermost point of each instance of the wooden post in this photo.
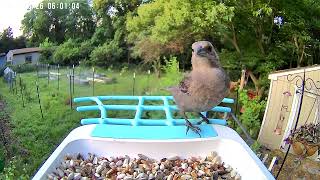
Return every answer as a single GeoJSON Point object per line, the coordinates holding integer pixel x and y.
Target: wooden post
{"type": "Point", "coordinates": [273, 161]}
{"type": "Point", "coordinates": [133, 84]}
{"type": "Point", "coordinates": [242, 80]}
{"type": "Point", "coordinates": [148, 87]}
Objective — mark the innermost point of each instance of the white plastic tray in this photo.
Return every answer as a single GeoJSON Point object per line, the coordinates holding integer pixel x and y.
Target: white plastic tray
{"type": "Point", "coordinates": [229, 146]}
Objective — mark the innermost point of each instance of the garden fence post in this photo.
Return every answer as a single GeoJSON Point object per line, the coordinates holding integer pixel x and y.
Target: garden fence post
{"type": "Point", "coordinates": [37, 68]}
{"type": "Point", "coordinates": [133, 84]}
{"type": "Point", "coordinates": [15, 83]}
{"type": "Point", "coordinates": [93, 81]}
{"type": "Point", "coordinates": [48, 73]}
{"type": "Point", "coordinates": [70, 89]}
{"type": "Point", "coordinates": [10, 82]}
{"type": "Point", "coordinates": [148, 80]}
{"type": "Point", "coordinates": [58, 75]}
{"type": "Point", "coordinates": [79, 72]}
{"type": "Point", "coordinates": [39, 99]}
{"type": "Point", "coordinates": [113, 88]}
{"type": "Point", "coordinates": [73, 78]}
{"type": "Point", "coordinates": [20, 83]}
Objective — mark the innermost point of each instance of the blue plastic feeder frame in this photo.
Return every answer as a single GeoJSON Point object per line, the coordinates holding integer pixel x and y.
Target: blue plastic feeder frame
{"type": "Point", "coordinates": [138, 128]}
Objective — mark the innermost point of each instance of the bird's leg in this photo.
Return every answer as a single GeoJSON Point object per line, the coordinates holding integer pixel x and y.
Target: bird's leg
{"type": "Point", "coordinates": [204, 119]}
{"type": "Point", "coordinates": [190, 126]}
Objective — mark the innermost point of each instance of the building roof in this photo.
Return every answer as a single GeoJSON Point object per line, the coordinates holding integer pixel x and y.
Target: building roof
{"type": "Point", "coordinates": [276, 74]}
{"type": "Point", "coordinates": [25, 50]}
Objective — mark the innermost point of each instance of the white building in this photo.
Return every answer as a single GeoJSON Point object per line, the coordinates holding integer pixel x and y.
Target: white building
{"type": "Point", "coordinates": [23, 56]}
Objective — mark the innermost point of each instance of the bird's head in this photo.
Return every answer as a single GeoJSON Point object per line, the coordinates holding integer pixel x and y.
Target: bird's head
{"type": "Point", "coordinates": [204, 53]}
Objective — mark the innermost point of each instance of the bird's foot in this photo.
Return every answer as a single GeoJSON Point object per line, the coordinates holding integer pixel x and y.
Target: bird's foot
{"type": "Point", "coordinates": [204, 119]}
{"type": "Point", "coordinates": [193, 128]}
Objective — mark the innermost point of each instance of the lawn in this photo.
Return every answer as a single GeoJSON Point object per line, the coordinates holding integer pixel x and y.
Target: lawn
{"type": "Point", "coordinates": [33, 139]}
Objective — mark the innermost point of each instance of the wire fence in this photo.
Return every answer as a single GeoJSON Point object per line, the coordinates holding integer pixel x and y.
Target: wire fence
{"type": "Point", "coordinates": [27, 82]}
{"type": "Point", "coordinates": [76, 81]}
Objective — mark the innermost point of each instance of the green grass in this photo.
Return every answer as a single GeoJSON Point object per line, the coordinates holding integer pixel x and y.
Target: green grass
{"type": "Point", "coordinates": [38, 137]}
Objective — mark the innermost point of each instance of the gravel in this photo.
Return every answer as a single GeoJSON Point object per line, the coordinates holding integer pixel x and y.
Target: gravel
{"type": "Point", "coordinates": [76, 167]}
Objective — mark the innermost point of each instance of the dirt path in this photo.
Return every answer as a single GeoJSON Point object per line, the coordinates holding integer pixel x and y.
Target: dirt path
{"type": "Point", "coordinates": [5, 129]}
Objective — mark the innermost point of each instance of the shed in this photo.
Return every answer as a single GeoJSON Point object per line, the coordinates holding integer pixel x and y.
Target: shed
{"type": "Point", "coordinates": [24, 56]}
{"type": "Point", "coordinates": [283, 102]}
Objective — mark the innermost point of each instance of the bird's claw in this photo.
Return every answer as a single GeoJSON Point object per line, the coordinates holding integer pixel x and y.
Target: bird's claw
{"type": "Point", "coordinates": [193, 128]}
{"type": "Point", "coordinates": [204, 119]}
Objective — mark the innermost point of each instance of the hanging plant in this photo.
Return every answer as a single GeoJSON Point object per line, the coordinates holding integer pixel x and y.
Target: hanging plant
{"type": "Point", "coordinates": [305, 140]}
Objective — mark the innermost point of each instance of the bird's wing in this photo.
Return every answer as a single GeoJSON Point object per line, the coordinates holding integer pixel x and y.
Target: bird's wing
{"type": "Point", "coordinates": [185, 84]}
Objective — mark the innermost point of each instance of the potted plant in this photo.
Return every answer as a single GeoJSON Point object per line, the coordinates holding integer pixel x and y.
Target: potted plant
{"type": "Point", "coordinates": [305, 140]}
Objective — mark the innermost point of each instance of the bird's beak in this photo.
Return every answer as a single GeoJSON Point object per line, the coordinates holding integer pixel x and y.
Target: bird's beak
{"type": "Point", "coordinates": [202, 51]}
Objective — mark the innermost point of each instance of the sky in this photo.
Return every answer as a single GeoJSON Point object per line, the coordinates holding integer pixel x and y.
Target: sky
{"type": "Point", "coordinates": [12, 12]}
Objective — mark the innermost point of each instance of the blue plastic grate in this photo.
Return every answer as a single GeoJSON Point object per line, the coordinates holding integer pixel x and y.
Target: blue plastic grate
{"type": "Point", "coordinates": [139, 108]}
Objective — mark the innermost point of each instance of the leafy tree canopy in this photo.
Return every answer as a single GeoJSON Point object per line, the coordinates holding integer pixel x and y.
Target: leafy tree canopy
{"type": "Point", "coordinates": [58, 24]}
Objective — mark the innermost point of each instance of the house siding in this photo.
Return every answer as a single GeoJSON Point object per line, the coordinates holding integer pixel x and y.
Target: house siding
{"type": "Point", "coordinates": [20, 58]}
{"type": "Point", "coordinates": [9, 56]}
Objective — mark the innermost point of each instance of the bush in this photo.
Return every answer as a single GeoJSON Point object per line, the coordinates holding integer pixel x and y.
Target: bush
{"type": "Point", "coordinates": [68, 53]}
{"type": "Point", "coordinates": [15, 170]}
{"type": "Point", "coordinates": [172, 73]}
{"type": "Point", "coordinates": [253, 109]}
{"type": "Point", "coordinates": [47, 50]}
{"type": "Point", "coordinates": [107, 54]}
{"type": "Point", "coordinates": [23, 68]}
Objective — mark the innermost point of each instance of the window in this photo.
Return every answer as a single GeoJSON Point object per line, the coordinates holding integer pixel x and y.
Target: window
{"type": "Point", "coordinates": [28, 59]}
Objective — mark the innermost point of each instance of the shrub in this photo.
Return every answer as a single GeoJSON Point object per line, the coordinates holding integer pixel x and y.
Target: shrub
{"type": "Point", "coordinates": [69, 52]}
{"type": "Point", "coordinates": [107, 54]}
{"type": "Point", "coordinates": [253, 109]}
{"type": "Point", "coordinates": [172, 72]}
{"type": "Point", "coordinates": [23, 68]}
{"type": "Point", "coordinates": [14, 170]}
{"type": "Point", "coordinates": [47, 50]}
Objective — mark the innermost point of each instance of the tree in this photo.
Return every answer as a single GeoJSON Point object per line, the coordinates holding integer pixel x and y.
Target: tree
{"type": "Point", "coordinates": [79, 22]}
{"type": "Point", "coordinates": [300, 30]}
{"type": "Point", "coordinates": [172, 25]}
{"type": "Point", "coordinates": [112, 15]}
{"type": "Point", "coordinates": [8, 42]}
{"type": "Point", "coordinates": [58, 24]}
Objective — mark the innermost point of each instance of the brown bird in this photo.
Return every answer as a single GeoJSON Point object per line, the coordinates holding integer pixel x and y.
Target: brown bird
{"type": "Point", "coordinates": [204, 87]}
